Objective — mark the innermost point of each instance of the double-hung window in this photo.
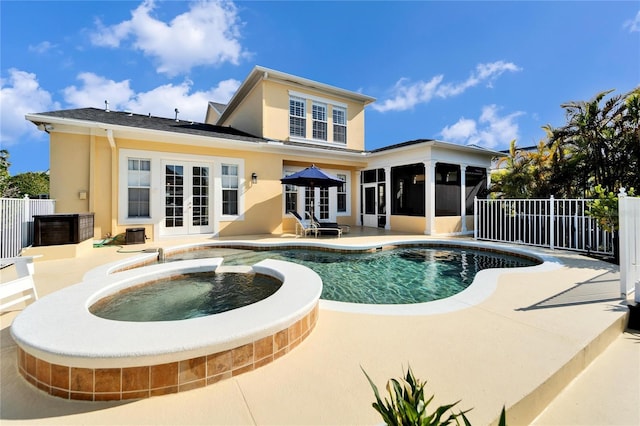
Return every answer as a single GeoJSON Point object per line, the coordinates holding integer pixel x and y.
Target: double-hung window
{"type": "Point", "coordinates": [339, 124]}
{"type": "Point", "coordinates": [230, 187]}
{"type": "Point", "coordinates": [290, 197]}
{"type": "Point", "coordinates": [319, 121]}
{"type": "Point", "coordinates": [138, 187]}
{"type": "Point", "coordinates": [297, 117]}
{"type": "Point", "coordinates": [342, 194]}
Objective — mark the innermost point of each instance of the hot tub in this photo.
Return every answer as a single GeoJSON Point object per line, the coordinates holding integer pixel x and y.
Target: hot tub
{"type": "Point", "coordinates": [67, 352]}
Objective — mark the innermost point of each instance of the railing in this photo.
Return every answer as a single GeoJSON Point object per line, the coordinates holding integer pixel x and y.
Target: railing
{"type": "Point", "coordinates": [548, 223]}
{"type": "Point", "coordinates": [16, 222]}
{"type": "Point", "coordinates": [629, 215]}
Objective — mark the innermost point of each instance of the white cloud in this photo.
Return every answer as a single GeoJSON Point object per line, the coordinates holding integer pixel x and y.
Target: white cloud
{"type": "Point", "coordinates": [21, 94]}
{"type": "Point", "coordinates": [490, 130]}
{"type": "Point", "coordinates": [483, 73]}
{"type": "Point", "coordinates": [406, 95]}
{"type": "Point", "coordinates": [42, 47]}
{"type": "Point", "coordinates": [160, 101]}
{"type": "Point", "coordinates": [460, 131]}
{"type": "Point", "coordinates": [633, 24]}
{"type": "Point", "coordinates": [163, 100]}
{"type": "Point", "coordinates": [95, 90]}
{"type": "Point", "coordinates": [208, 34]}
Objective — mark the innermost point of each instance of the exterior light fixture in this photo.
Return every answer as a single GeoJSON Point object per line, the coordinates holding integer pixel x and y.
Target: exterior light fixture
{"type": "Point", "coordinates": [254, 178]}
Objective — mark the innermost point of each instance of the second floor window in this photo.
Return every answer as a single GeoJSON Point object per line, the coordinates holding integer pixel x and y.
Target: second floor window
{"type": "Point", "coordinates": [319, 121]}
{"type": "Point", "coordinates": [230, 185]}
{"type": "Point", "coordinates": [297, 117]}
{"type": "Point", "coordinates": [339, 125]}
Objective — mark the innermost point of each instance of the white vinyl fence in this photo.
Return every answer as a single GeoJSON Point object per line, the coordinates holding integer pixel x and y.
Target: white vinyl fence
{"type": "Point", "coordinates": [629, 215]}
{"type": "Point", "coordinates": [551, 223]}
{"type": "Point", "coordinates": [16, 222]}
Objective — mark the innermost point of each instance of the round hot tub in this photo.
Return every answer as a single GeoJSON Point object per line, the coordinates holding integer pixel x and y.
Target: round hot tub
{"type": "Point", "coordinates": [68, 352]}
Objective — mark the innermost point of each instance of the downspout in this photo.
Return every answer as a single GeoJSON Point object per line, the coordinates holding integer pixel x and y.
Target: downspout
{"type": "Point", "coordinates": [114, 180]}
{"type": "Point", "coordinates": [92, 166]}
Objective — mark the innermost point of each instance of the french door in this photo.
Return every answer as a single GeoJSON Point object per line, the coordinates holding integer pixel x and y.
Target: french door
{"type": "Point", "coordinates": [317, 200]}
{"type": "Point", "coordinates": [187, 198]}
{"type": "Point", "coordinates": [370, 213]}
{"type": "Point", "coordinates": [374, 205]}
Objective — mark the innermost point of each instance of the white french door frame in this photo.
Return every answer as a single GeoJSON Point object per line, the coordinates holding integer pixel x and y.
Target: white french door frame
{"type": "Point", "coordinates": [188, 198]}
{"type": "Point", "coordinates": [157, 192]}
{"type": "Point", "coordinates": [370, 205]}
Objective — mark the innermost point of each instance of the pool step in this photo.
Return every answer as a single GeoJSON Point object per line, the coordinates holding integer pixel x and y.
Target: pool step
{"type": "Point", "coordinates": [235, 269]}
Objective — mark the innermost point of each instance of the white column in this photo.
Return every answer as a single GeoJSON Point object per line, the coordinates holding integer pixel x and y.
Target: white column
{"type": "Point", "coordinates": [430, 197]}
{"type": "Point", "coordinates": [387, 195]}
{"type": "Point", "coordinates": [358, 198]}
{"type": "Point", "coordinates": [488, 179]}
{"type": "Point", "coordinates": [463, 197]}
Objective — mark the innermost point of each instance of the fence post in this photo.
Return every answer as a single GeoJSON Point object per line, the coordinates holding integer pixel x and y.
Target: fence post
{"type": "Point", "coordinates": [623, 244]}
{"type": "Point", "coordinates": [25, 222]}
{"type": "Point", "coordinates": [552, 224]}
{"type": "Point", "coordinates": [475, 218]}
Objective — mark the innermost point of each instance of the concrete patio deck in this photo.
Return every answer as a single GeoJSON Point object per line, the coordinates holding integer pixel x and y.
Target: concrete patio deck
{"type": "Point", "coordinates": [519, 348]}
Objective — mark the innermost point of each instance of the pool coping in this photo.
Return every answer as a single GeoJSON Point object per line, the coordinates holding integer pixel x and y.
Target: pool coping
{"type": "Point", "coordinates": [483, 285]}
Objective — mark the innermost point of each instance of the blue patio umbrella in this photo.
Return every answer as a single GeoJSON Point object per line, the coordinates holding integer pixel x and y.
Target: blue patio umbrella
{"type": "Point", "coordinates": [312, 177]}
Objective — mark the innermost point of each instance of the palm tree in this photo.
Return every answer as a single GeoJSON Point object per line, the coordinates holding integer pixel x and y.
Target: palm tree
{"type": "Point", "coordinates": [599, 143]}
{"type": "Point", "coordinates": [513, 179]}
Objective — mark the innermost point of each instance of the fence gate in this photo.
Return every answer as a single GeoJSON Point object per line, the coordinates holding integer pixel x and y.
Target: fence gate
{"type": "Point", "coordinates": [551, 223]}
{"type": "Point", "coordinates": [16, 222]}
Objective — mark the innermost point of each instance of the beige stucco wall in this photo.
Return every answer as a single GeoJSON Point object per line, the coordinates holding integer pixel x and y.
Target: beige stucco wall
{"type": "Point", "coordinates": [72, 157]}
{"type": "Point", "coordinates": [413, 224]}
{"type": "Point", "coordinates": [100, 201]}
{"type": "Point", "coordinates": [448, 224]}
{"type": "Point", "coordinates": [248, 117]}
{"type": "Point", "coordinates": [69, 171]}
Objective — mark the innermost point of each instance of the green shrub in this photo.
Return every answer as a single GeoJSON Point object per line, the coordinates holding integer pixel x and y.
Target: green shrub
{"type": "Point", "coordinates": [407, 404]}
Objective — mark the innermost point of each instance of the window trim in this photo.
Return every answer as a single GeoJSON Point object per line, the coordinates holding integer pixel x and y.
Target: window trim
{"type": "Point", "coordinates": [338, 125]}
{"type": "Point", "coordinates": [302, 117]}
{"type": "Point", "coordinates": [223, 189]}
{"type": "Point", "coordinates": [139, 186]}
{"type": "Point", "coordinates": [322, 109]}
{"type": "Point", "coordinates": [345, 193]}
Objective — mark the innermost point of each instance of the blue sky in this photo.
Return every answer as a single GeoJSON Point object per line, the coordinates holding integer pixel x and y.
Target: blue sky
{"type": "Point", "coordinates": [464, 72]}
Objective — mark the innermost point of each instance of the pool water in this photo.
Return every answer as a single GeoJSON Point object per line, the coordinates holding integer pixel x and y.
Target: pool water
{"type": "Point", "coordinates": [186, 296]}
{"type": "Point", "coordinates": [394, 276]}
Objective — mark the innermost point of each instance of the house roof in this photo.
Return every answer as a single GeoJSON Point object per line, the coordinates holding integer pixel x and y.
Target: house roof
{"type": "Point", "coordinates": [259, 73]}
{"type": "Point", "coordinates": [437, 143]}
{"type": "Point", "coordinates": [128, 119]}
{"type": "Point", "coordinates": [88, 117]}
{"type": "Point", "coordinates": [218, 106]}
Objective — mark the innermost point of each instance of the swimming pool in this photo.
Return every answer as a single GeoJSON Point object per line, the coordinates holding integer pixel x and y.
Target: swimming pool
{"type": "Point", "coordinates": [393, 275]}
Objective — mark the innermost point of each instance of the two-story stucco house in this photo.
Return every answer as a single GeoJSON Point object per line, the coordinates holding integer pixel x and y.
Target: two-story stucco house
{"type": "Point", "coordinates": [222, 177]}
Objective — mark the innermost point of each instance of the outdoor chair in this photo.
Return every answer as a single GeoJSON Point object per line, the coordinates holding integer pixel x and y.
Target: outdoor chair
{"type": "Point", "coordinates": [23, 287]}
{"type": "Point", "coordinates": [328, 228]}
{"type": "Point", "coordinates": [305, 226]}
